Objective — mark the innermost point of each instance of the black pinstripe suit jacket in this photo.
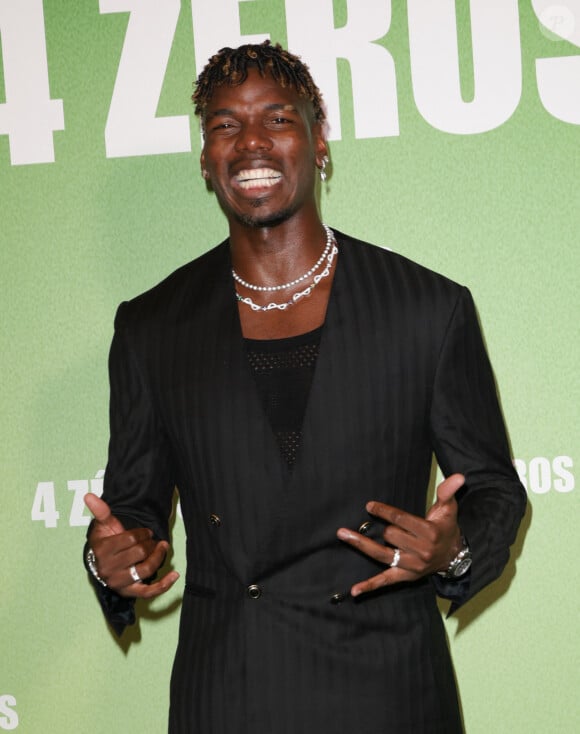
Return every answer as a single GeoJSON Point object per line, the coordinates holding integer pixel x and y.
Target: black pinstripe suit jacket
{"type": "Point", "coordinates": [402, 373]}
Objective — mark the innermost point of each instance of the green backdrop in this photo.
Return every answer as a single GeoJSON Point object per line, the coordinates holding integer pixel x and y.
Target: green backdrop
{"type": "Point", "coordinates": [455, 140]}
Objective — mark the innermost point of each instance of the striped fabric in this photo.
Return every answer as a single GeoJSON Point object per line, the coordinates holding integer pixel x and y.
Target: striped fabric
{"type": "Point", "coordinates": [270, 643]}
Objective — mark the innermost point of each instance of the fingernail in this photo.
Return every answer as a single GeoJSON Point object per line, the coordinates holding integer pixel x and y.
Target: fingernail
{"type": "Point", "coordinates": [344, 534]}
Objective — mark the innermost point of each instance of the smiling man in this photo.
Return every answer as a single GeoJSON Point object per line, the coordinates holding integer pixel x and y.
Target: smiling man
{"type": "Point", "coordinates": [294, 384]}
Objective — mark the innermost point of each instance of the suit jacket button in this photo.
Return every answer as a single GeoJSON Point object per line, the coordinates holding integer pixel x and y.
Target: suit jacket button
{"type": "Point", "coordinates": [254, 591]}
{"type": "Point", "coordinates": [365, 527]}
{"type": "Point", "coordinates": [215, 520]}
{"type": "Point", "coordinates": [337, 598]}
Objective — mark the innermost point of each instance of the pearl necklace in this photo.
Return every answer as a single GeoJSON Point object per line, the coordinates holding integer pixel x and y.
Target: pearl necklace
{"type": "Point", "coordinates": [300, 294]}
{"type": "Point", "coordinates": [329, 241]}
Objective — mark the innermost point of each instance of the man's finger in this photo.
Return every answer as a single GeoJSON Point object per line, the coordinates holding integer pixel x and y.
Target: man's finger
{"type": "Point", "coordinates": [102, 513]}
{"type": "Point", "coordinates": [448, 487]}
{"type": "Point", "coordinates": [385, 578]}
{"type": "Point", "coordinates": [121, 579]}
{"type": "Point", "coordinates": [98, 507]}
{"type": "Point", "coordinates": [150, 591]}
{"type": "Point", "coordinates": [369, 547]}
{"type": "Point", "coordinates": [395, 516]}
{"type": "Point", "coordinates": [136, 541]}
{"type": "Point", "coordinates": [154, 561]}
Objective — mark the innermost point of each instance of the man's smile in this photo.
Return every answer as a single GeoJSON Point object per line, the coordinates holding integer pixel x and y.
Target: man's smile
{"type": "Point", "coordinates": [254, 178]}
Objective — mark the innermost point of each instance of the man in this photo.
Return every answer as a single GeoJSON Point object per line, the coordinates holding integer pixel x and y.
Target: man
{"type": "Point", "coordinates": [293, 383]}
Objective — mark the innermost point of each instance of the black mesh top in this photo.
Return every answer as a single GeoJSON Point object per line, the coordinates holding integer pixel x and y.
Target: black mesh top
{"type": "Point", "coordinates": [283, 369]}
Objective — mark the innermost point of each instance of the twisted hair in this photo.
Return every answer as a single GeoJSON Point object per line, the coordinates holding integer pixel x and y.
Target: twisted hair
{"type": "Point", "coordinates": [230, 66]}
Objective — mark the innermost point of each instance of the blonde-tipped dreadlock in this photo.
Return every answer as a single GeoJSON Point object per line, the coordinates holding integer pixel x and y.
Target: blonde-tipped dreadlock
{"type": "Point", "coordinates": [230, 66]}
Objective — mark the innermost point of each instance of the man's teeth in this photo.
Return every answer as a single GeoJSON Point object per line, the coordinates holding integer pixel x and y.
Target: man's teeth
{"type": "Point", "coordinates": [256, 177]}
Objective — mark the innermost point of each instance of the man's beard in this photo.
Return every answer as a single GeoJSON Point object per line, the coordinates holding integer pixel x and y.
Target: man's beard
{"type": "Point", "coordinates": [265, 220]}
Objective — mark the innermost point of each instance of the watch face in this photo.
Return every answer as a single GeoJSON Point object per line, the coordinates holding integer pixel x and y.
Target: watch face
{"type": "Point", "coordinates": [462, 567]}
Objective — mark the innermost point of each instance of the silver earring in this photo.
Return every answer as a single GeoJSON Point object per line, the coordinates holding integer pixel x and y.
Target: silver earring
{"type": "Point", "coordinates": [323, 174]}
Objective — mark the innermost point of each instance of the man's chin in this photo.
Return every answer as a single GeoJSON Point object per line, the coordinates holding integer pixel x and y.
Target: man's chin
{"type": "Point", "coordinates": [264, 219]}
{"type": "Point", "coordinates": [267, 221]}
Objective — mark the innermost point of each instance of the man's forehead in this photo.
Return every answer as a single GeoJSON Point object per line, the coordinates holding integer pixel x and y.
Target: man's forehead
{"type": "Point", "coordinates": [264, 92]}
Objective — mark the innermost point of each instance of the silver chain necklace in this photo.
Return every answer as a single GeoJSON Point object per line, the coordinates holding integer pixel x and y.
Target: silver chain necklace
{"type": "Point", "coordinates": [299, 294]}
{"type": "Point", "coordinates": [313, 269]}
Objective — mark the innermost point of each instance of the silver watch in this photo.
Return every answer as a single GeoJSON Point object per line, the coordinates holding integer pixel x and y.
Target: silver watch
{"type": "Point", "coordinates": [460, 565]}
{"type": "Point", "coordinates": [92, 566]}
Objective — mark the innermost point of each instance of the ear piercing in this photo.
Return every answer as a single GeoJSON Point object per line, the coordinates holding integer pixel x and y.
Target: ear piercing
{"type": "Point", "coordinates": [323, 174]}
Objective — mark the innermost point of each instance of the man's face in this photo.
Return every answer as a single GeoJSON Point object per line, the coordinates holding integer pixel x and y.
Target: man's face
{"type": "Point", "coordinates": [261, 148]}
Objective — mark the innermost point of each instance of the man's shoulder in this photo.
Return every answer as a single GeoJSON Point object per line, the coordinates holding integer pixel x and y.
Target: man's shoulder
{"type": "Point", "coordinates": [189, 282]}
{"type": "Point", "coordinates": [380, 262]}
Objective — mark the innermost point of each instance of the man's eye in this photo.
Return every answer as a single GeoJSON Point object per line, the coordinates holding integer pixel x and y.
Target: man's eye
{"type": "Point", "coordinates": [221, 126]}
{"type": "Point", "coordinates": [281, 121]}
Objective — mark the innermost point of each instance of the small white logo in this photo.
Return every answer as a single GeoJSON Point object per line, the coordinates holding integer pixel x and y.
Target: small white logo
{"type": "Point", "coordinates": [557, 22]}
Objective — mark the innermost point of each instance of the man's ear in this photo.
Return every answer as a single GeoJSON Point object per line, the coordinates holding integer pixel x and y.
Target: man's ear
{"type": "Point", "coordinates": [320, 144]}
{"type": "Point", "coordinates": [321, 154]}
{"type": "Point", "coordinates": [204, 171]}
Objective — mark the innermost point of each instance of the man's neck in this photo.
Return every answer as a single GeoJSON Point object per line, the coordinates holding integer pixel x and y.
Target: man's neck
{"type": "Point", "coordinates": [270, 255]}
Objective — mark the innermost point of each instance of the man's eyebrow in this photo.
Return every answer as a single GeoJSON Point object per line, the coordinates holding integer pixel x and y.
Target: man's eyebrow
{"type": "Point", "coordinates": [284, 107]}
{"type": "Point", "coordinates": [223, 111]}
{"type": "Point", "coordinates": [273, 107]}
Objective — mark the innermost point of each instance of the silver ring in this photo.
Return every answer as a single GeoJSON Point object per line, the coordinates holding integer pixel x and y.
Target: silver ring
{"type": "Point", "coordinates": [396, 558]}
{"type": "Point", "coordinates": [134, 575]}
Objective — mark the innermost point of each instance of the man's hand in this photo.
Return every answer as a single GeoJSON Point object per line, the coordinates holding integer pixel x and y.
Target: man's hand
{"type": "Point", "coordinates": [425, 545]}
{"type": "Point", "coordinates": [117, 549]}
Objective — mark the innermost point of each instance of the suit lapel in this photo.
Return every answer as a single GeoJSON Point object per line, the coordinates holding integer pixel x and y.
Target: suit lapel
{"type": "Point", "coordinates": [344, 351]}
{"type": "Point", "coordinates": [239, 472]}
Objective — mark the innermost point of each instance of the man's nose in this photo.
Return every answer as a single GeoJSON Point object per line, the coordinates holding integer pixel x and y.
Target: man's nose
{"type": "Point", "coordinates": [253, 136]}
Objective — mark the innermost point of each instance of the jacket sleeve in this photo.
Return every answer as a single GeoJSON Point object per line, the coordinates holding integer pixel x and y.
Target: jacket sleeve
{"type": "Point", "coordinates": [139, 478]}
{"type": "Point", "coordinates": [469, 437]}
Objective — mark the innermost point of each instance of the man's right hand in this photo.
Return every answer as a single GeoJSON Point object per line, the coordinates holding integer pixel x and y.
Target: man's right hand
{"type": "Point", "coordinates": [117, 550]}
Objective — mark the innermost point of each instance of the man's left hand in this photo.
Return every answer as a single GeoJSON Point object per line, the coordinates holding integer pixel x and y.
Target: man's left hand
{"type": "Point", "coordinates": [425, 545]}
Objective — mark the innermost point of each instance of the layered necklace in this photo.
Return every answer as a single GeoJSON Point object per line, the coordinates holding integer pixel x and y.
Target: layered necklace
{"type": "Point", "coordinates": [328, 255]}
